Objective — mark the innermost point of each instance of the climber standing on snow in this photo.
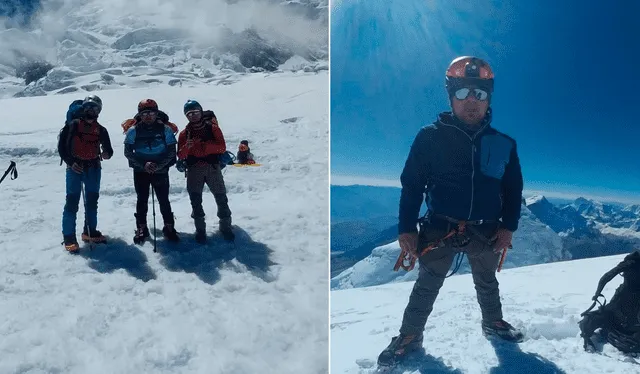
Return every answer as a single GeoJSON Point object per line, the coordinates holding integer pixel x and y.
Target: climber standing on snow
{"type": "Point", "coordinates": [200, 145]}
{"type": "Point", "coordinates": [473, 180]}
{"type": "Point", "coordinates": [150, 147]}
{"type": "Point", "coordinates": [79, 147]}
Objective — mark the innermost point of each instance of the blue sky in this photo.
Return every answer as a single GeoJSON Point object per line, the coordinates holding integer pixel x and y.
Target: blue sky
{"type": "Point", "coordinates": [567, 85]}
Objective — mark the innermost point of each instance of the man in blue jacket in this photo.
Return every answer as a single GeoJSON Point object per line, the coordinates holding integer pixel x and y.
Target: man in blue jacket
{"type": "Point", "coordinates": [471, 175]}
{"type": "Point", "coordinates": [150, 147]}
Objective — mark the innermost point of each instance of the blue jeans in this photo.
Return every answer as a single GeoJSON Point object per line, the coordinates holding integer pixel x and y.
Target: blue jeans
{"type": "Point", "coordinates": [91, 180]}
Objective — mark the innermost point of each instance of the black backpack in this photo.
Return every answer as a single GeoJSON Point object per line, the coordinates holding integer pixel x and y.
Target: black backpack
{"type": "Point", "coordinates": [618, 320]}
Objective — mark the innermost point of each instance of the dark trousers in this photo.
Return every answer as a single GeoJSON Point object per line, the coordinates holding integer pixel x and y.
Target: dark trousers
{"type": "Point", "coordinates": [434, 266]}
{"type": "Point", "coordinates": [197, 177]}
{"type": "Point", "coordinates": [160, 184]}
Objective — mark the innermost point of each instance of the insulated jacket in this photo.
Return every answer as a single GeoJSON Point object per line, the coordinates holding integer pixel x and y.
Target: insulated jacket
{"type": "Point", "coordinates": [208, 142]}
{"type": "Point", "coordinates": [80, 142]}
{"type": "Point", "coordinates": [150, 143]}
{"type": "Point", "coordinates": [466, 175]}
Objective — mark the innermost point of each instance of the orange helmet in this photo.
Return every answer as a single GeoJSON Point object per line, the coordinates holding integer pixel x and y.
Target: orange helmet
{"type": "Point", "coordinates": [469, 69]}
{"type": "Point", "coordinates": [147, 104]}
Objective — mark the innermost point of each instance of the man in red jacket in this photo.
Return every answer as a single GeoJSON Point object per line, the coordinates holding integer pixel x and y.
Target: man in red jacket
{"type": "Point", "coordinates": [200, 145]}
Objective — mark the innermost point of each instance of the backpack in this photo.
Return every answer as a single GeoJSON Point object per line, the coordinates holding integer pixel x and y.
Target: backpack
{"type": "Point", "coordinates": [619, 320]}
{"type": "Point", "coordinates": [74, 113]}
{"type": "Point", "coordinates": [162, 116]}
{"type": "Point", "coordinates": [227, 158]}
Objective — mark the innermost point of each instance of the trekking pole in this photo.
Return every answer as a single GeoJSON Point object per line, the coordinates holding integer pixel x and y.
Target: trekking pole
{"type": "Point", "coordinates": [153, 203]}
{"type": "Point", "coordinates": [11, 169]}
{"type": "Point", "coordinates": [86, 221]}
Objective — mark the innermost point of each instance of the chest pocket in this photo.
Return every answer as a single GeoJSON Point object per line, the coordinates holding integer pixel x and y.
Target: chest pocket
{"type": "Point", "coordinates": [495, 151]}
{"type": "Point", "coordinates": [86, 142]}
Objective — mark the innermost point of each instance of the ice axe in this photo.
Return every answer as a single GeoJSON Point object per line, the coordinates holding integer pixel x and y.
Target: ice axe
{"type": "Point", "coordinates": [11, 169]}
{"type": "Point", "coordinates": [502, 257]}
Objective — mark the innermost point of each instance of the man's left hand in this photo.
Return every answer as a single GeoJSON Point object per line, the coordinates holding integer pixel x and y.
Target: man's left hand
{"type": "Point", "coordinates": [502, 240]}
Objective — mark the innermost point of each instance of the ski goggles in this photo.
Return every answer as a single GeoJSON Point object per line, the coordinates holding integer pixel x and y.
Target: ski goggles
{"type": "Point", "coordinates": [464, 92]}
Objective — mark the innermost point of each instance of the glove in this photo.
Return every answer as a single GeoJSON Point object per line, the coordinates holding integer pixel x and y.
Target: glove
{"type": "Point", "coordinates": [502, 240]}
{"type": "Point", "coordinates": [150, 167]}
{"type": "Point", "coordinates": [77, 168]}
{"type": "Point", "coordinates": [409, 242]}
{"type": "Point", "coordinates": [181, 165]}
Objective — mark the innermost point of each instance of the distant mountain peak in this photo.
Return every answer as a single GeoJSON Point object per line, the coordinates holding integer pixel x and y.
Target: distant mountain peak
{"type": "Point", "coordinates": [537, 199]}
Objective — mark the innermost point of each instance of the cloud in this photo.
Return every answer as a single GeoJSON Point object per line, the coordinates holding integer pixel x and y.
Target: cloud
{"type": "Point", "coordinates": [203, 22]}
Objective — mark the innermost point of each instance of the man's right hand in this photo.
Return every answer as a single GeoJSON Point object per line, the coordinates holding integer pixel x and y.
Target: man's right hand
{"type": "Point", "coordinates": [409, 243]}
{"type": "Point", "coordinates": [77, 168]}
{"type": "Point", "coordinates": [150, 167]}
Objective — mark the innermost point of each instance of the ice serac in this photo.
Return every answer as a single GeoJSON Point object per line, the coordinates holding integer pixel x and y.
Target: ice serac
{"type": "Point", "coordinates": [160, 45]}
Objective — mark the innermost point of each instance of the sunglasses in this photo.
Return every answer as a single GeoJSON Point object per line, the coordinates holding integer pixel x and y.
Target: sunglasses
{"type": "Point", "coordinates": [192, 113]}
{"type": "Point", "coordinates": [147, 113]}
{"type": "Point", "coordinates": [92, 108]}
{"type": "Point", "coordinates": [478, 93]}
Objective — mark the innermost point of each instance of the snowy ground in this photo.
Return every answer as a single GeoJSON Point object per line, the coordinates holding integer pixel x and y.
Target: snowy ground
{"type": "Point", "coordinates": [260, 306]}
{"type": "Point", "coordinates": [544, 300]}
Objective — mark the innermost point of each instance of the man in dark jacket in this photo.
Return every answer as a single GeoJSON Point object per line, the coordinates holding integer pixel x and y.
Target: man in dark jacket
{"type": "Point", "coordinates": [79, 147]}
{"type": "Point", "coordinates": [471, 175]}
{"type": "Point", "coordinates": [150, 147]}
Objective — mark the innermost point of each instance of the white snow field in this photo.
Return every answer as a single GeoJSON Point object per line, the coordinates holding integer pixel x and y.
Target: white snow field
{"type": "Point", "coordinates": [543, 300]}
{"type": "Point", "coordinates": [259, 306]}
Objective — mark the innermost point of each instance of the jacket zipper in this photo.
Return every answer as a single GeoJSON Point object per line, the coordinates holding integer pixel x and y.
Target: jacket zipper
{"type": "Point", "coordinates": [473, 164]}
{"type": "Point", "coordinates": [473, 174]}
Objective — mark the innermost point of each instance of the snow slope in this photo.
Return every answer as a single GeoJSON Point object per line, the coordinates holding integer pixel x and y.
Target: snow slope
{"type": "Point", "coordinates": [533, 243]}
{"type": "Point", "coordinates": [97, 45]}
{"type": "Point", "coordinates": [258, 306]}
{"type": "Point", "coordinates": [544, 300]}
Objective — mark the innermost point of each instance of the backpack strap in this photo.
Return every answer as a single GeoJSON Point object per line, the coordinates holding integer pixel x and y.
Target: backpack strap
{"type": "Point", "coordinates": [70, 133]}
{"type": "Point", "coordinates": [630, 260]}
{"type": "Point", "coordinates": [127, 124]}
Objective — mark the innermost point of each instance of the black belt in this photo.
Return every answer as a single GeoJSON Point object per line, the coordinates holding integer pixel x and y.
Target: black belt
{"type": "Point", "coordinates": [456, 221]}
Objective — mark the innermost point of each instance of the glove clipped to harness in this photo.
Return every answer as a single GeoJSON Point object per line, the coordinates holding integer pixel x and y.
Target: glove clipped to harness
{"type": "Point", "coordinates": [181, 165]}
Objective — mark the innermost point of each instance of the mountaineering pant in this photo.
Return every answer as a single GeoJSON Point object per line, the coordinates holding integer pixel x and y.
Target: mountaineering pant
{"type": "Point", "coordinates": [90, 177]}
{"type": "Point", "coordinates": [160, 184]}
{"type": "Point", "coordinates": [434, 266]}
{"type": "Point", "coordinates": [211, 175]}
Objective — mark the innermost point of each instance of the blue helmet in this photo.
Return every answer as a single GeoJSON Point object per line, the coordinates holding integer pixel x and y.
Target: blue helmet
{"type": "Point", "coordinates": [191, 105]}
